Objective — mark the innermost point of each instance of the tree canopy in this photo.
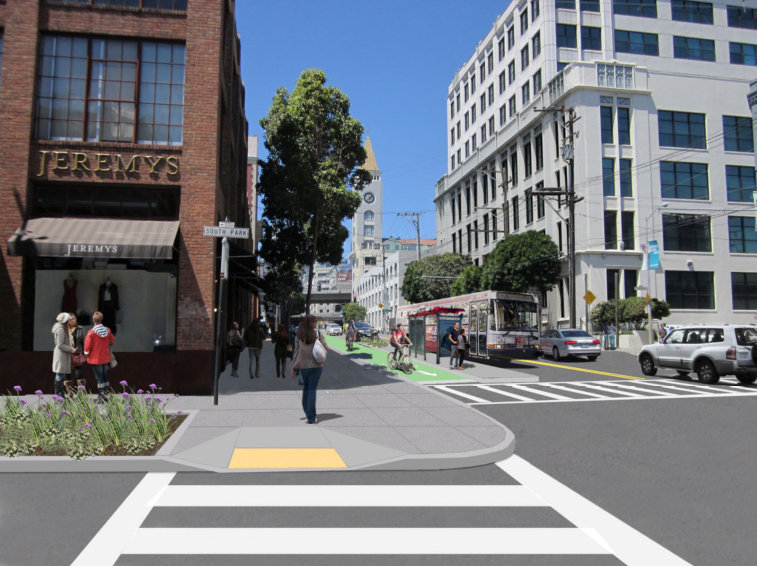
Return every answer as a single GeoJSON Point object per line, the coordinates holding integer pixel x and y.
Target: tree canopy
{"type": "Point", "coordinates": [308, 183]}
{"type": "Point", "coordinates": [354, 312]}
{"type": "Point", "coordinates": [469, 281]}
{"type": "Point", "coordinates": [432, 277]}
{"type": "Point", "coordinates": [522, 262]}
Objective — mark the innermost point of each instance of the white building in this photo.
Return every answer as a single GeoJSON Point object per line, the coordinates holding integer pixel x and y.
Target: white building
{"type": "Point", "coordinates": [366, 224]}
{"type": "Point", "coordinates": [664, 148]}
{"type": "Point", "coordinates": [380, 289]}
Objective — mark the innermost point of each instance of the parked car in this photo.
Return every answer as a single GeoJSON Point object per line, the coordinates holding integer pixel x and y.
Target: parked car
{"type": "Point", "coordinates": [334, 329]}
{"type": "Point", "coordinates": [365, 330]}
{"type": "Point", "coordinates": [569, 342]}
{"type": "Point", "coordinates": [709, 350]}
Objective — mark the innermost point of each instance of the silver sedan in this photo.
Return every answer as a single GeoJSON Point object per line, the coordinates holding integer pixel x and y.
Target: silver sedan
{"type": "Point", "coordinates": [570, 342]}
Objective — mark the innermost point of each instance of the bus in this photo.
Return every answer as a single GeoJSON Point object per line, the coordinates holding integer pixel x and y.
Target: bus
{"type": "Point", "coordinates": [499, 324]}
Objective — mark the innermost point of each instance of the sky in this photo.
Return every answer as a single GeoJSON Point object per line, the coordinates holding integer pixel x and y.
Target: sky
{"type": "Point", "coordinates": [394, 59]}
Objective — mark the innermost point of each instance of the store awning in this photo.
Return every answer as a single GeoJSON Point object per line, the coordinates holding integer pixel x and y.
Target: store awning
{"type": "Point", "coordinates": [95, 237]}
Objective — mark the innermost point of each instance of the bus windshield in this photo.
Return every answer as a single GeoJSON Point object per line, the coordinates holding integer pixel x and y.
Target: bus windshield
{"type": "Point", "coordinates": [510, 315]}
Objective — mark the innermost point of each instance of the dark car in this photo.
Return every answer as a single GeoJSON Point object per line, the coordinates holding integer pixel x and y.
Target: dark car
{"type": "Point", "coordinates": [365, 330]}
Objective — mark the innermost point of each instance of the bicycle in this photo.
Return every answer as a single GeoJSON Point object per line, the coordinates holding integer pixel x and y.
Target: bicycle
{"type": "Point", "coordinates": [350, 342]}
{"type": "Point", "coordinates": [405, 363]}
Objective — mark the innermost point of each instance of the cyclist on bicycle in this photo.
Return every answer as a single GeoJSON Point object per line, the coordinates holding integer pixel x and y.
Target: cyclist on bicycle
{"type": "Point", "coordinates": [399, 339]}
{"type": "Point", "coordinates": [350, 334]}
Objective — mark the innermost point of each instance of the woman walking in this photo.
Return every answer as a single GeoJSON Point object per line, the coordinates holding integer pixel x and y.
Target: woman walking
{"type": "Point", "coordinates": [234, 345]}
{"type": "Point", "coordinates": [281, 348]}
{"type": "Point", "coordinates": [97, 350]}
{"type": "Point", "coordinates": [61, 352]}
{"type": "Point", "coordinates": [309, 369]}
{"type": "Point", "coordinates": [462, 347]}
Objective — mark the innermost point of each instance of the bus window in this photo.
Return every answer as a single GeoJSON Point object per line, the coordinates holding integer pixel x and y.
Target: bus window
{"type": "Point", "coordinates": [492, 316]}
{"type": "Point", "coordinates": [515, 315]}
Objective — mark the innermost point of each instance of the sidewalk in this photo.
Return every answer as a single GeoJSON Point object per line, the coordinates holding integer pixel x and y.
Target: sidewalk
{"type": "Point", "coordinates": [368, 418]}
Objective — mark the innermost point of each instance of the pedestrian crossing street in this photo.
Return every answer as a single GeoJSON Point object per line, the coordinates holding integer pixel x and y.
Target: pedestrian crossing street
{"type": "Point", "coordinates": [578, 391]}
{"type": "Point", "coordinates": [528, 518]}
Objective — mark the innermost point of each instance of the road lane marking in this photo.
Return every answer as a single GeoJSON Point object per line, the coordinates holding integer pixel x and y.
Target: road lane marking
{"type": "Point", "coordinates": [626, 543]}
{"type": "Point", "coordinates": [541, 392]}
{"type": "Point", "coordinates": [348, 496]}
{"type": "Point", "coordinates": [569, 390]}
{"type": "Point", "coordinates": [454, 393]}
{"type": "Point", "coordinates": [502, 392]}
{"type": "Point", "coordinates": [561, 366]}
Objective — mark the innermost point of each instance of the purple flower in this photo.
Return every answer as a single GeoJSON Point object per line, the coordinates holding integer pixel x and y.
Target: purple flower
{"type": "Point", "coordinates": [38, 392]}
{"type": "Point", "coordinates": [64, 412]}
{"type": "Point", "coordinates": [123, 382]}
{"type": "Point", "coordinates": [175, 394]}
{"type": "Point", "coordinates": [23, 401]}
{"type": "Point", "coordinates": [128, 407]}
{"type": "Point", "coordinates": [152, 386]}
{"type": "Point", "coordinates": [140, 391]}
{"type": "Point", "coordinates": [181, 412]}
{"type": "Point", "coordinates": [87, 425]}
{"type": "Point", "coordinates": [58, 398]}
{"type": "Point", "coordinates": [153, 421]}
{"type": "Point", "coordinates": [80, 387]}
{"type": "Point", "coordinates": [124, 394]}
{"type": "Point", "coordinates": [158, 399]}
{"type": "Point", "coordinates": [17, 387]}
{"type": "Point", "coordinates": [128, 416]}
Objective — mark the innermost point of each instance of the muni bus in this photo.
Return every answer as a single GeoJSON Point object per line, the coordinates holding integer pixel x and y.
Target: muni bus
{"type": "Point", "coordinates": [499, 324]}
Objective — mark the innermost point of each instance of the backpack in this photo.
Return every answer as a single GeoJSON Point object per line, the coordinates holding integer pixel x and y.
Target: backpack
{"type": "Point", "coordinates": [446, 342]}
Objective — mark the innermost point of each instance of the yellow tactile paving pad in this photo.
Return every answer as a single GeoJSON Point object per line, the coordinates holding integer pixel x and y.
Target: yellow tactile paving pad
{"type": "Point", "coordinates": [285, 458]}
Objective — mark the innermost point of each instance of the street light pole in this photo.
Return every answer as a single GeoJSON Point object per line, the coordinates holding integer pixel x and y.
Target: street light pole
{"type": "Point", "coordinates": [649, 267]}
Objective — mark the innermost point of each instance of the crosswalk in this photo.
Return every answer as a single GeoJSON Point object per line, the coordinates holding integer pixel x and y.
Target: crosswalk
{"type": "Point", "coordinates": [526, 516]}
{"type": "Point", "coordinates": [579, 391]}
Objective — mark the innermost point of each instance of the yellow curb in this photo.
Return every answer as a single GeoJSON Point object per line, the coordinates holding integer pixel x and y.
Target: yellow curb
{"type": "Point", "coordinates": [285, 458]}
{"type": "Point", "coordinates": [579, 369]}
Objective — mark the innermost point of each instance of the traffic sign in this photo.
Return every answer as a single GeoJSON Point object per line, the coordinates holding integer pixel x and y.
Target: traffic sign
{"type": "Point", "coordinates": [647, 299]}
{"type": "Point", "coordinates": [381, 305]}
{"type": "Point", "coordinates": [589, 297]}
{"type": "Point", "coordinates": [387, 310]}
{"type": "Point", "coordinates": [226, 232]}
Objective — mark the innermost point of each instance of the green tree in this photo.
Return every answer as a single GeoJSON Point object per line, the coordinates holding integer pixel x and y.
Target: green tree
{"type": "Point", "coordinates": [660, 309]}
{"type": "Point", "coordinates": [309, 183]}
{"type": "Point", "coordinates": [522, 262]}
{"type": "Point", "coordinates": [431, 278]}
{"type": "Point", "coordinates": [469, 281]}
{"type": "Point", "coordinates": [603, 314]}
{"type": "Point", "coordinates": [354, 312]}
{"type": "Point", "coordinates": [284, 287]}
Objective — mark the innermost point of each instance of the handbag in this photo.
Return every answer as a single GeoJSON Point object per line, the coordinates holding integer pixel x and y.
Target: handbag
{"type": "Point", "coordinates": [113, 361]}
{"type": "Point", "coordinates": [77, 359]}
{"type": "Point", "coordinates": [319, 352]}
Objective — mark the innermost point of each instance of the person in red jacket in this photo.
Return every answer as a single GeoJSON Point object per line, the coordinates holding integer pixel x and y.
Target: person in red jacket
{"type": "Point", "coordinates": [97, 351]}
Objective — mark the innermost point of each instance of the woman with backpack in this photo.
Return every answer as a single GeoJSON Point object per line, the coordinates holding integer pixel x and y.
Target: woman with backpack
{"type": "Point", "coordinates": [234, 347]}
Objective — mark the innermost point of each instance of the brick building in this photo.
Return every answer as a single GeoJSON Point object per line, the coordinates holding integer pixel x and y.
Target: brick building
{"type": "Point", "coordinates": [123, 134]}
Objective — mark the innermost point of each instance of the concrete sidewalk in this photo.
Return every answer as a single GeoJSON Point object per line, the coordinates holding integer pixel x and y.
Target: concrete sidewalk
{"type": "Point", "coordinates": [368, 418]}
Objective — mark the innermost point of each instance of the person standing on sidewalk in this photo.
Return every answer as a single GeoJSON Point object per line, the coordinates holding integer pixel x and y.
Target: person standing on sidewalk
{"type": "Point", "coordinates": [309, 369]}
{"type": "Point", "coordinates": [453, 337]}
{"type": "Point", "coordinates": [253, 338]}
{"type": "Point", "coordinates": [234, 347]}
{"type": "Point", "coordinates": [281, 347]}
{"type": "Point", "coordinates": [62, 352]}
{"type": "Point", "coordinates": [77, 336]}
{"type": "Point", "coordinates": [462, 347]}
{"type": "Point", "coordinates": [97, 351]}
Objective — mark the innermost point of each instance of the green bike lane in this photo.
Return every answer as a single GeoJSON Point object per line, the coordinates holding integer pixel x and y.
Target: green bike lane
{"type": "Point", "coordinates": [423, 372]}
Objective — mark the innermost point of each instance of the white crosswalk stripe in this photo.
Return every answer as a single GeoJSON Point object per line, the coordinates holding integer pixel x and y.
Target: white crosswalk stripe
{"type": "Point", "coordinates": [151, 523]}
{"type": "Point", "coordinates": [580, 391]}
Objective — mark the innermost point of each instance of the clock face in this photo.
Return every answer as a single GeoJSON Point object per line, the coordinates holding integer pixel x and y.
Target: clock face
{"type": "Point", "coordinates": [369, 197]}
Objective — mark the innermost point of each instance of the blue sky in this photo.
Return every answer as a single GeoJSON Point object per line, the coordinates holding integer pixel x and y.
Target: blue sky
{"type": "Point", "coordinates": [394, 59]}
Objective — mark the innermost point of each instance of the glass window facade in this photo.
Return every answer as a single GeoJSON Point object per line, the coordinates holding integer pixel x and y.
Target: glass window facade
{"type": "Point", "coordinates": [611, 229]}
{"type": "Point", "coordinates": [643, 8]}
{"type": "Point", "coordinates": [566, 36]}
{"type": "Point", "coordinates": [590, 5]}
{"type": "Point", "coordinates": [742, 17]}
{"type": "Point", "coordinates": [744, 291]}
{"type": "Point", "coordinates": [88, 90]}
{"type": "Point", "coordinates": [743, 53]}
{"type": "Point", "coordinates": [690, 289]}
{"type": "Point", "coordinates": [608, 176]}
{"type": "Point", "coordinates": [155, 203]}
{"type": "Point", "coordinates": [738, 134]}
{"type": "Point", "coordinates": [636, 42]}
{"type": "Point", "coordinates": [627, 229]}
{"type": "Point", "coordinates": [605, 122]}
{"type": "Point", "coordinates": [690, 11]}
{"type": "Point", "coordinates": [693, 48]}
{"type": "Point", "coordinates": [742, 236]}
{"type": "Point", "coordinates": [591, 38]}
{"type": "Point", "coordinates": [682, 129]}
{"type": "Point", "coordinates": [686, 233]}
{"type": "Point", "coordinates": [624, 126]}
{"type": "Point", "coordinates": [684, 180]}
{"type": "Point", "coordinates": [740, 183]}
{"type": "Point", "coordinates": [626, 178]}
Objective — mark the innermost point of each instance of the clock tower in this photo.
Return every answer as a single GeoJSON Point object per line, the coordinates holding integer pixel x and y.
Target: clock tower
{"type": "Point", "coordinates": [366, 224]}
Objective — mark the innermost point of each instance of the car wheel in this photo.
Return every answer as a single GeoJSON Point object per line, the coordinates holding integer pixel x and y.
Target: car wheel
{"type": "Point", "coordinates": [647, 365]}
{"type": "Point", "coordinates": [592, 358]}
{"type": "Point", "coordinates": [706, 372]}
{"type": "Point", "coordinates": [683, 373]}
{"type": "Point", "coordinates": [746, 379]}
{"type": "Point", "coordinates": [556, 354]}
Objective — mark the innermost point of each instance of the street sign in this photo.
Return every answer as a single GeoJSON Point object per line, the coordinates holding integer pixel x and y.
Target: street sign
{"type": "Point", "coordinates": [381, 306]}
{"type": "Point", "coordinates": [226, 232]}
{"type": "Point", "coordinates": [226, 224]}
{"type": "Point", "coordinates": [589, 297]}
{"type": "Point", "coordinates": [387, 310]}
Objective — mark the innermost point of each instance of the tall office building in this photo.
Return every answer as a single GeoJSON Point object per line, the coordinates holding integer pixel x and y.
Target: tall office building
{"type": "Point", "coordinates": [663, 149]}
{"type": "Point", "coordinates": [366, 224]}
{"type": "Point", "coordinates": [124, 133]}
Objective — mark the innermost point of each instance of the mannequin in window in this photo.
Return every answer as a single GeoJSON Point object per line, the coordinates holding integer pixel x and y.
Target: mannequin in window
{"type": "Point", "coordinates": [69, 302]}
{"type": "Point", "coordinates": [107, 303]}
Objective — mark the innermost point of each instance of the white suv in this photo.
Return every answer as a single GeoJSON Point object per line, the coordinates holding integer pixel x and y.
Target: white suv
{"type": "Point", "coordinates": [709, 350]}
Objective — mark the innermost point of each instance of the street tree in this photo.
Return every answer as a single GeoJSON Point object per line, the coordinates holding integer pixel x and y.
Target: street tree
{"type": "Point", "coordinates": [309, 184]}
{"type": "Point", "coordinates": [284, 287]}
{"type": "Point", "coordinates": [354, 312]}
{"type": "Point", "coordinates": [469, 281]}
{"type": "Point", "coordinates": [431, 278]}
{"type": "Point", "coordinates": [522, 262]}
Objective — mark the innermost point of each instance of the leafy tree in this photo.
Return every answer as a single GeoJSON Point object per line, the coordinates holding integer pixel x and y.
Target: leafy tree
{"type": "Point", "coordinates": [284, 287]}
{"type": "Point", "coordinates": [660, 309]}
{"type": "Point", "coordinates": [431, 278]}
{"type": "Point", "coordinates": [633, 310]}
{"type": "Point", "coordinates": [522, 262]}
{"type": "Point", "coordinates": [354, 311]}
{"type": "Point", "coordinates": [469, 282]}
{"type": "Point", "coordinates": [314, 153]}
{"type": "Point", "coordinates": [603, 314]}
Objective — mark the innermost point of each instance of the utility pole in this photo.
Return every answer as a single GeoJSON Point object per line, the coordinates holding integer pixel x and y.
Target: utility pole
{"type": "Point", "coordinates": [417, 223]}
{"type": "Point", "coordinates": [568, 154]}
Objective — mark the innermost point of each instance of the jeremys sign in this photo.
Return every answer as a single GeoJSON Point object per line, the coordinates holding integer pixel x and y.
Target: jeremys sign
{"type": "Point", "coordinates": [62, 163]}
